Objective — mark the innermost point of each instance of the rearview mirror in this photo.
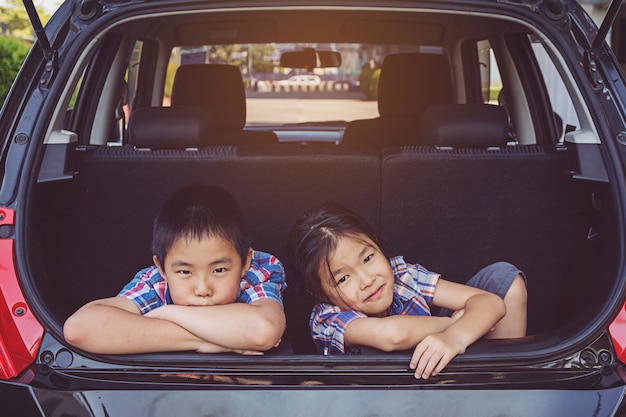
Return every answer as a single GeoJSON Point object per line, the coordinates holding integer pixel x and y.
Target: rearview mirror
{"type": "Point", "coordinates": [309, 58]}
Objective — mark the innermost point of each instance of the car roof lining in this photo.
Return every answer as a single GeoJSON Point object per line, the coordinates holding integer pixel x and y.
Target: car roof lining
{"type": "Point", "coordinates": [322, 26]}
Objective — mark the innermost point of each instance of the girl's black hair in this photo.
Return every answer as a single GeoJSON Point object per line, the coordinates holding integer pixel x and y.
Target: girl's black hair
{"type": "Point", "coordinates": [314, 238]}
{"type": "Point", "coordinates": [196, 212]}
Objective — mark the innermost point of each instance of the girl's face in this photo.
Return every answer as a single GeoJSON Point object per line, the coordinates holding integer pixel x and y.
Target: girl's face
{"type": "Point", "coordinates": [360, 278]}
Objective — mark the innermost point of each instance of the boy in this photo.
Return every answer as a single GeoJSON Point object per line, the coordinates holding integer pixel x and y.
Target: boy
{"type": "Point", "coordinates": [208, 291]}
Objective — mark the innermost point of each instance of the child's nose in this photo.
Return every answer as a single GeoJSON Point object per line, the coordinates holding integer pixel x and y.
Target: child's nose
{"type": "Point", "coordinates": [366, 280]}
{"type": "Point", "coordinates": [203, 288]}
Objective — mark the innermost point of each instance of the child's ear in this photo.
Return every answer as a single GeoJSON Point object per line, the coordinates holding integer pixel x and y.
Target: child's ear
{"type": "Point", "coordinates": [158, 265]}
{"type": "Point", "coordinates": [246, 266]}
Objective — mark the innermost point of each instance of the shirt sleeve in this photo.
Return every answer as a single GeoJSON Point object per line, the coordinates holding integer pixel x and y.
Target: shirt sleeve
{"type": "Point", "coordinates": [414, 287]}
{"type": "Point", "coordinates": [425, 282]}
{"type": "Point", "coordinates": [147, 290]}
{"type": "Point", "coordinates": [265, 279]}
{"type": "Point", "coordinates": [328, 326]}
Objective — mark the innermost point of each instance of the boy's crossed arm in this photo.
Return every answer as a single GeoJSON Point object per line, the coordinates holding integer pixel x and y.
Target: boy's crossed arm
{"type": "Point", "coordinates": [257, 326]}
{"type": "Point", "coordinates": [116, 326]}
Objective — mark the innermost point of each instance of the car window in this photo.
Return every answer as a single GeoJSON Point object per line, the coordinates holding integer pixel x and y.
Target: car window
{"type": "Point", "coordinates": [491, 81]}
{"type": "Point", "coordinates": [132, 72]}
{"type": "Point", "coordinates": [278, 95]}
{"type": "Point", "coordinates": [557, 92]}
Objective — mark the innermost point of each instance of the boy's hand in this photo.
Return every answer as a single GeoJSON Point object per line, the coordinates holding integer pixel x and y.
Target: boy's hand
{"type": "Point", "coordinates": [156, 313]}
{"type": "Point", "coordinates": [457, 314]}
{"type": "Point", "coordinates": [208, 347]}
{"type": "Point", "coordinates": [433, 353]}
{"type": "Point", "coordinates": [248, 352]}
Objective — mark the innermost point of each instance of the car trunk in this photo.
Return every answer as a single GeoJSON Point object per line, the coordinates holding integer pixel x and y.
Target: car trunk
{"type": "Point", "coordinates": [453, 209]}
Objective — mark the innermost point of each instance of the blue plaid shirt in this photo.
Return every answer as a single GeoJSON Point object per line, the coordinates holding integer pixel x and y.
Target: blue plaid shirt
{"type": "Point", "coordinates": [265, 279]}
{"type": "Point", "coordinates": [414, 289]}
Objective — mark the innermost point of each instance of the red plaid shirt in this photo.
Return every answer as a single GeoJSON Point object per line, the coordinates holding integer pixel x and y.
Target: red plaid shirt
{"type": "Point", "coordinates": [264, 279]}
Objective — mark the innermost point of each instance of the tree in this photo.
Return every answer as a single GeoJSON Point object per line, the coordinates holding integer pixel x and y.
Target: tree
{"type": "Point", "coordinates": [12, 54]}
{"type": "Point", "coordinates": [15, 19]}
{"type": "Point", "coordinates": [16, 29]}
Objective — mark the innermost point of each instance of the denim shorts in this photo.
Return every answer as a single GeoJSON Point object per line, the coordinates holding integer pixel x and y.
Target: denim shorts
{"type": "Point", "coordinates": [495, 278]}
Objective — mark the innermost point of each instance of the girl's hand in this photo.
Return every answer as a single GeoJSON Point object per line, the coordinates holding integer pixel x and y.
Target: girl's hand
{"type": "Point", "coordinates": [433, 353]}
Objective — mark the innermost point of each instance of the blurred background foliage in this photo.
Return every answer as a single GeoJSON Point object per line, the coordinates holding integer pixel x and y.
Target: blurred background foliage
{"type": "Point", "coordinates": [12, 54]}
{"type": "Point", "coordinates": [16, 38]}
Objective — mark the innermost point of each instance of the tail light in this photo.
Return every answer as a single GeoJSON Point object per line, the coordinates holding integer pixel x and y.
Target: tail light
{"type": "Point", "coordinates": [20, 332]}
{"type": "Point", "coordinates": [617, 330]}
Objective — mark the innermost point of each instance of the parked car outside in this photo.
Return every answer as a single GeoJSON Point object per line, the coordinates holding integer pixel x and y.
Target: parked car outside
{"type": "Point", "coordinates": [498, 134]}
{"type": "Point", "coordinates": [299, 82]}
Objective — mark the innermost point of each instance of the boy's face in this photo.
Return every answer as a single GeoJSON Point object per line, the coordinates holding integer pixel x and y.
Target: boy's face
{"type": "Point", "coordinates": [203, 272]}
{"type": "Point", "coordinates": [361, 279]}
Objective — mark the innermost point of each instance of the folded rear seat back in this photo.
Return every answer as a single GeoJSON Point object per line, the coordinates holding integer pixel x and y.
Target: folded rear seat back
{"type": "Point", "coordinates": [457, 209]}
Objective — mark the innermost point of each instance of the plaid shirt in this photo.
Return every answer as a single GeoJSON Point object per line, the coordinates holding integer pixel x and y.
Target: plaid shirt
{"type": "Point", "coordinates": [264, 279]}
{"type": "Point", "coordinates": [414, 289]}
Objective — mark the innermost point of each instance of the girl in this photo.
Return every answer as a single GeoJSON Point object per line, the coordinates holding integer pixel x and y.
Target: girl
{"type": "Point", "coordinates": [365, 298]}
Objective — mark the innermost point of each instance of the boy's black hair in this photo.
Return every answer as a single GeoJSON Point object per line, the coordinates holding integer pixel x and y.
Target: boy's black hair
{"type": "Point", "coordinates": [199, 211]}
{"type": "Point", "coordinates": [314, 238]}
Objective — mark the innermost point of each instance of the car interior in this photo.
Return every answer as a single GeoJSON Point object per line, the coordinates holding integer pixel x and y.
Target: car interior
{"type": "Point", "coordinates": [453, 175]}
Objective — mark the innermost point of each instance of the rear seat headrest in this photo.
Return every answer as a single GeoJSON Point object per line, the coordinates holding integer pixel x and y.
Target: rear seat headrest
{"type": "Point", "coordinates": [171, 127]}
{"type": "Point", "coordinates": [465, 125]}
{"type": "Point", "coordinates": [411, 82]}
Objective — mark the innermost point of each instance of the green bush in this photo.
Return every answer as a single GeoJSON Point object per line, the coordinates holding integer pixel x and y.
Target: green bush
{"type": "Point", "coordinates": [368, 82]}
{"type": "Point", "coordinates": [12, 54]}
{"type": "Point", "coordinates": [494, 92]}
{"type": "Point", "coordinates": [169, 79]}
{"type": "Point", "coordinates": [373, 85]}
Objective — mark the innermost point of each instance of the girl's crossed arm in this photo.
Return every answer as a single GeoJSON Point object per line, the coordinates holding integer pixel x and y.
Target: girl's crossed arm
{"type": "Point", "coordinates": [393, 332]}
{"type": "Point", "coordinates": [437, 340]}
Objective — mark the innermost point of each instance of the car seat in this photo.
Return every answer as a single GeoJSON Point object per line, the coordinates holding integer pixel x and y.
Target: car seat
{"type": "Point", "coordinates": [219, 88]}
{"type": "Point", "coordinates": [409, 83]}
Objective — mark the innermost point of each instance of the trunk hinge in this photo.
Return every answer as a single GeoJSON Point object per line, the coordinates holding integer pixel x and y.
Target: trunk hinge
{"type": "Point", "coordinates": [592, 54]}
{"type": "Point", "coordinates": [49, 54]}
{"type": "Point", "coordinates": [591, 67]}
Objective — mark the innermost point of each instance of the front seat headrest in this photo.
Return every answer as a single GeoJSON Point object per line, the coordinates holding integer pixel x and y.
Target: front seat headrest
{"type": "Point", "coordinates": [216, 87]}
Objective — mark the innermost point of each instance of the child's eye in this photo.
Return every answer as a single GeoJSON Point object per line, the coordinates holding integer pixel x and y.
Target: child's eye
{"type": "Point", "coordinates": [342, 279]}
{"type": "Point", "coordinates": [368, 258]}
{"type": "Point", "coordinates": [183, 272]}
{"type": "Point", "coordinates": [219, 270]}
